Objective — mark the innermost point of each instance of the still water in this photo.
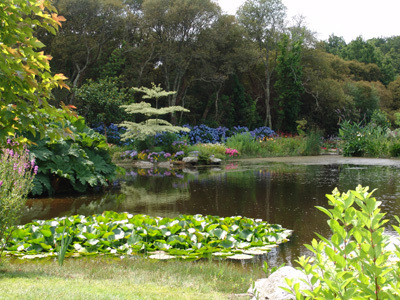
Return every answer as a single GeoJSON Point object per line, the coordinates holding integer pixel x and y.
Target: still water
{"type": "Point", "coordinates": [285, 193]}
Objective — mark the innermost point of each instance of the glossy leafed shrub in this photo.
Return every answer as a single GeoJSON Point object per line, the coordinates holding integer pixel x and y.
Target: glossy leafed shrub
{"type": "Point", "coordinates": [356, 261]}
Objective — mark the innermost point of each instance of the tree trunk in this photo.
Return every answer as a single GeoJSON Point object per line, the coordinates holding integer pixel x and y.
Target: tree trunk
{"type": "Point", "coordinates": [268, 121]}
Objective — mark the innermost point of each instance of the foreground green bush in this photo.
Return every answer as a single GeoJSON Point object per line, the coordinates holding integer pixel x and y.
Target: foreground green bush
{"type": "Point", "coordinates": [356, 262]}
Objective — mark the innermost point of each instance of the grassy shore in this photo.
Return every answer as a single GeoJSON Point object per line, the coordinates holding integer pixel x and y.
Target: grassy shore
{"type": "Point", "coordinates": [110, 278]}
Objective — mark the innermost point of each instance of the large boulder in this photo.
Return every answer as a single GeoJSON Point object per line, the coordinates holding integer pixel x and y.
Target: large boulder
{"type": "Point", "coordinates": [269, 288]}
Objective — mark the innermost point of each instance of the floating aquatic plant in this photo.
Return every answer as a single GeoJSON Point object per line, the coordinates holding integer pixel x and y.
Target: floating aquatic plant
{"type": "Point", "coordinates": [187, 236]}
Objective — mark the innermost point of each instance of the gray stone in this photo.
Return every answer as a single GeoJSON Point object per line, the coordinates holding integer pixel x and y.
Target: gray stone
{"type": "Point", "coordinates": [144, 164]}
{"type": "Point", "coordinates": [190, 160]}
{"type": "Point", "coordinates": [269, 288]}
{"type": "Point", "coordinates": [164, 164]}
{"type": "Point", "coordinates": [215, 161]}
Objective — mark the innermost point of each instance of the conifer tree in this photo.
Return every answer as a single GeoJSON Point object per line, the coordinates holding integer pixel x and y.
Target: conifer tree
{"type": "Point", "coordinates": [151, 126]}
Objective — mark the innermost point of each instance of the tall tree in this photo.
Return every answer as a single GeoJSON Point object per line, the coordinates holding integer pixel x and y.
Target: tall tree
{"type": "Point", "coordinates": [288, 85]}
{"type": "Point", "coordinates": [334, 45]}
{"type": "Point", "coordinates": [225, 52]}
{"type": "Point", "coordinates": [91, 26]}
{"type": "Point", "coordinates": [264, 23]}
{"type": "Point", "coordinates": [176, 26]}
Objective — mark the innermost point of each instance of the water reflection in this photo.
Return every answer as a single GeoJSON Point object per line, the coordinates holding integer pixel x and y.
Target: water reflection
{"type": "Point", "coordinates": [280, 193]}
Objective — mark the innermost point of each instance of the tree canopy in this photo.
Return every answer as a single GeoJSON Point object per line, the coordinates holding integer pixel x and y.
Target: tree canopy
{"type": "Point", "coordinates": [227, 70]}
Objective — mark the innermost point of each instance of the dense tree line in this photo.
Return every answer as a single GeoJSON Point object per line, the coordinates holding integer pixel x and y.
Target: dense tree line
{"type": "Point", "coordinates": [254, 68]}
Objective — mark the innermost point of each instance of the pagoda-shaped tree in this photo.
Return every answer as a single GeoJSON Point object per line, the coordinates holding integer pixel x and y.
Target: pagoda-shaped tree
{"type": "Point", "coordinates": [153, 124]}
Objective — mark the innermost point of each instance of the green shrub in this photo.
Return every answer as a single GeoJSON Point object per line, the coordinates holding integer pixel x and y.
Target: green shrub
{"type": "Point", "coordinates": [205, 151]}
{"type": "Point", "coordinates": [354, 140]}
{"type": "Point", "coordinates": [370, 140]}
{"type": "Point", "coordinates": [395, 149]}
{"type": "Point", "coordinates": [16, 175]}
{"type": "Point", "coordinates": [284, 146]}
{"type": "Point", "coordinates": [245, 144]}
{"type": "Point", "coordinates": [313, 143]}
{"type": "Point", "coordinates": [76, 162]}
{"type": "Point", "coordinates": [380, 118]}
{"type": "Point", "coordinates": [355, 262]}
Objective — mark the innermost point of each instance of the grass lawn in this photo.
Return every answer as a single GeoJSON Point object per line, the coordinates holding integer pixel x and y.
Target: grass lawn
{"type": "Point", "coordinates": [111, 278]}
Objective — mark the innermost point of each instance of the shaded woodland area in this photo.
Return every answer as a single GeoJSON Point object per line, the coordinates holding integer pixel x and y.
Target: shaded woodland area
{"type": "Point", "coordinates": [252, 69]}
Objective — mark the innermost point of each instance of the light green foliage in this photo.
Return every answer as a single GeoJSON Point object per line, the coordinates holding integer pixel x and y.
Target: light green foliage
{"type": "Point", "coordinates": [355, 262]}
{"type": "Point", "coordinates": [380, 118]}
{"type": "Point", "coordinates": [284, 146]}
{"type": "Point", "coordinates": [206, 151]}
{"type": "Point", "coordinates": [364, 140]}
{"type": "Point", "coordinates": [16, 176]}
{"type": "Point", "coordinates": [150, 127]}
{"type": "Point", "coordinates": [75, 162]}
{"type": "Point", "coordinates": [245, 144]}
{"type": "Point", "coordinates": [66, 239]}
{"type": "Point", "coordinates": [186, 236]}
{"type": "Point", "coordinates": [105, 277]}
{"type": "Point", "coordinates": [25, 78]}
{"type": "Point", "coordinates": [155, 92]}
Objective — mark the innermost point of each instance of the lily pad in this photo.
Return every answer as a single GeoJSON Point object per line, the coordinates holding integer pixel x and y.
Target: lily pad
{"type": "Point", "coordinates": [121, 234]}
{"type": "Point", "coordinates": [241, 257]}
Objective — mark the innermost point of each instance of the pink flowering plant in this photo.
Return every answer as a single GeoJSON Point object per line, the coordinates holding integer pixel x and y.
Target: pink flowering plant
{"type": "Point", "coordinates": [16, 176]}
{"type": "Point", "coordinates": [232, 152]}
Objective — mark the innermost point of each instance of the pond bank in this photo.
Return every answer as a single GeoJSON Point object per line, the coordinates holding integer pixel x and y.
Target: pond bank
{"type": "Point", "coordinates": [295, 160]}
{"type": "Point", "coordinates": [323, 160]}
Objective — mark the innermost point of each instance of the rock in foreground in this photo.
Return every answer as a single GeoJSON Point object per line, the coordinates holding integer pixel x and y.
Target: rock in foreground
{"type": "Point", "coordinates": [269, 288]}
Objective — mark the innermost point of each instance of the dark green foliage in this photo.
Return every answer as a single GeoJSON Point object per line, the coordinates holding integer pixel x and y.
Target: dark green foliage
{"type": "Point", "coordinates": [365, 97]}
{"type": "Point", "coordinates": [99, 102]}
{"type": "Point", "coordinates": [225, 69]}
{"type": "Point", "coordinates": [243, 107]}
{"type": "Point", "coordinates": [74, 163]}
{"type": "Point", "coordinates": [288, 85]}
{"type": "Point", "coordinates": [395, 149]}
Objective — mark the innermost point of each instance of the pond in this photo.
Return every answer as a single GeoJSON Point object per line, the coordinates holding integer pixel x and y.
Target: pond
{"type": "Point", "coordinates": [281, 191]}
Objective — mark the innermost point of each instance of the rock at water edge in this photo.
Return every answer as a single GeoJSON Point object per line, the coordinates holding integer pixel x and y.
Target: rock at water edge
{"type": "Point", "coordinates": [269, 288]}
